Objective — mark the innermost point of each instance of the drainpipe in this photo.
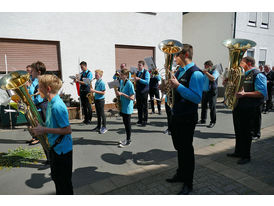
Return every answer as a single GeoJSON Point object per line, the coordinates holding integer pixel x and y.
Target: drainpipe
{"type": "Point", "coordinates": [234, 29]}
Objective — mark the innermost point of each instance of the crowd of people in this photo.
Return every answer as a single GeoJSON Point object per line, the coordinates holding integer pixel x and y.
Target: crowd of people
{"type": "Point", "coordinates": [191, 85]}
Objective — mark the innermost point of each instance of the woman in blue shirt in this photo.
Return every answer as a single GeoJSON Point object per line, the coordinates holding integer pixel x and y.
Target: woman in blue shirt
{"type": "Point", "coordinates": [126, 95]}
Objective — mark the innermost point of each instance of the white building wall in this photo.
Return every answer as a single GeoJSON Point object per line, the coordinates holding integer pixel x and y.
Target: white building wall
{"type": "Point", "coordinates": [205, 31]}
{"type": "Point", "coordinates": [91, 37]}
{"type": "Point", "coordinates": [264, 38]}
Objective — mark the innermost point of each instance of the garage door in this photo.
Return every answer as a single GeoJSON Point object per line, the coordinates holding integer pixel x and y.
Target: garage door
{"type": "Point", "coordinates": [20, 53]}
{"type": "Point", "coordinates": [132, 54]}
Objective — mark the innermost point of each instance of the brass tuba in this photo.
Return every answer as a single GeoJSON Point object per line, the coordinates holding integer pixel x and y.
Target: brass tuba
{"type": "Point", "coordinates": [235, 73]}
{"type": "Point", "coordinates": [16, 81]}
{"type": "Point", "coordinates": [170, 47]}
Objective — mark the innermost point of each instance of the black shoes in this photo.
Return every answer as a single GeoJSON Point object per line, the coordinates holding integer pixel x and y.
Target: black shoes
{"type": "Point", "coordinates": [160, 113]}
{"type": "Point", "coordinates": [186, 190]}
{"type": "Point", "coordinates": [210, 125]}
{"type": "Point", "coordinates": [144, 124]}
{"type": "Point", "coordinates": [174, 179]}
{"type": "Point", "coordinates": [255, 137]}
{"type": "Point", "coordinates": [233, 155]}
{"type": "Point", "coordinates": [243, 161]}
{"type": "Point", "coordinates": [96, 129]}
{"type": "Point", "coordinates": [201, 122]}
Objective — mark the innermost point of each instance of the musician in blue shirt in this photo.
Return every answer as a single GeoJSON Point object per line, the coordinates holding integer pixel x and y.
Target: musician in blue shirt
{"type": "Point", "coordinates": [142, 88]}
{"type": "Point", "coordinates": [250, 99]}
{"type": "Point", "coordinates": [99, 90]}
{"type": "Point", "coordinates": [37, 68]}
{"type": "Point", "coordinates": [210, 91]}
{"type": "Point", "coordinates": [126, 95]}
{"type": "Point", "coordinates": [84, 90]}
{"type": "Point", "coordinates": [155, 77]}
{"type": "Point", "coordinates": [57, 127]}
{"type": "Point", "coordinates": [188, 86]}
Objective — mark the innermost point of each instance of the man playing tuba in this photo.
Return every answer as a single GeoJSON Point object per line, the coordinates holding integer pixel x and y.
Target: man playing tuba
{"type": "Point", "coordinates": [250, 98]}
{"type": "Point", "coordinates": [188, 87]}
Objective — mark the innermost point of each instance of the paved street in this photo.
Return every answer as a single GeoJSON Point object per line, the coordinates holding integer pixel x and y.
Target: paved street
{"type": "Point", "coordinates": [100, 167]}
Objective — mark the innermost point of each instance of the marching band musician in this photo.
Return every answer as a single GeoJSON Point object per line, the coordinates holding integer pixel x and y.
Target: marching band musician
{"type": "Point", "coordinates": [58, 132]}
{"type": "Point", "coordinates": [209, 93]}
{"type": "Point", "coordinates": [142, 88]}
{"type": "Point", "coordinates": [154, 90]}
{"type": "Point", "coordinates": [100, 88]}
{"type": "Point", "coordinates": [188, 87]}
{"type": "Point", "coordinates": [126, 95]}
{"type": "Point", "coordinates": [122, 66]}
{"type": "Point", "coordinates": [84, 90]}
{"type": "Point", "coordinates": [250, 100]}
{"type": "Point", "coordinates": [37, 68]}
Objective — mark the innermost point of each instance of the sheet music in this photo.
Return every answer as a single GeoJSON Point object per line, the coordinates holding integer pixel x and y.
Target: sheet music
{"type": "Point", "coordinates": [150, 63]}
{"type": "Point", "coordinates": [133, 70]}
{"type": "Point", "coordinates": [113, 84]}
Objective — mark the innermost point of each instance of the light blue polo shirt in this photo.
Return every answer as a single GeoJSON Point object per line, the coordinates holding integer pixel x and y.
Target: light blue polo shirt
{"type": "Point", "coordinates": [260, 82]}
{"type": "Point", "coordinates": [89, 75]}
{"type": "Point", "coordinates": [128, 89]}
{"type": "Point", "coordinates": [147, 77]}
{"type": "Point", "coordinates": [195, 90]}
{"type": "Point", "coordinates": [37, 98]}
{"type": "Point", "coordinates": [100, 86]}
{"type": "Point", "coordinates": [206, 80]}
{"type": "Point", "coordinates": [57, 117]}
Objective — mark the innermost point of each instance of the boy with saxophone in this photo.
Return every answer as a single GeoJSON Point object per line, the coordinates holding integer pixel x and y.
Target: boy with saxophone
{"type": "Point", "coordinates": [58, 131]}
{"type": "Point", "coordinates": [100, 88]}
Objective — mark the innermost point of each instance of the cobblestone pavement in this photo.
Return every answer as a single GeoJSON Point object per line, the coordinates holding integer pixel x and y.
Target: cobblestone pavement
{"type": "Point", "coordinates": [215, 174]}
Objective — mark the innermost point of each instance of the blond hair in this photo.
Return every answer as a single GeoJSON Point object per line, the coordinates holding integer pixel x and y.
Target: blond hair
{"type": "Point", "coordinates": [52, 81]}
{"type": "Point", "coordinates": [100, 72]}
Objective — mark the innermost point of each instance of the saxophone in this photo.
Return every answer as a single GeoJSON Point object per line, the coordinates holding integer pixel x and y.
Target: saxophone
{"type": "Point", "coordinates": [117, 101]}
{"type": "Point", "coordinates": [170, 47]}
{"type": "Point", "coordinates": [90, 95]}
{"type": "Point", "coordinates": [235, 73]}
{"type": "Point", "coordinates": [16, 81]}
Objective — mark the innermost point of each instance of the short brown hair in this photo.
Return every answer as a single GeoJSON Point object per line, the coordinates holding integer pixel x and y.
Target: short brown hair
{"type": "Point", "coordinates": [187, 48]}
{"type": "Point", "coordinates": [52, 81]}
{"type": "Point", "coordinates": [125, 72]}
{"type": "Point", "coordinates": [39, 67]}
{"type": "Point", "coordinates": [141, 62]}
{"type": "Point", "coordinates": [83, 63]}
{"type": "Point", "coordinates": [208, 63]}
{"type": "Point", "coordinates": [250, 59]}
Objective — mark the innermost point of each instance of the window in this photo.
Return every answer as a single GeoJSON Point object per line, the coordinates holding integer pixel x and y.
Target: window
{"type": "Point", "coordinates": [265, 20]}
{"type": "Point", "coordinates": [262, 57]}
{"type": "Point", "coordinates": [252, 19]}
{"type": "Point", "coordinates": [250, 53]}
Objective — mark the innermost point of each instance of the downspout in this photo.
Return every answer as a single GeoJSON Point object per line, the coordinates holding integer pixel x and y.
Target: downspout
{"type": "Point", "coordinates": [234, 29]}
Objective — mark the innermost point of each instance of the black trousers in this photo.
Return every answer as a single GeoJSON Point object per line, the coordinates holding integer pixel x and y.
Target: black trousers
{"type": "Point", "coordinates": [154, 92]}
{"type": "Point", "coordinates": [268, 104]}
{"type": "Point", "coordinates": [182, 131]}
{"type": "Point", "coordinates": [86, 106]}
{"type": "Point", "coordinates": [243, 120]}
{"type": "Point", "coordinates": [257, 122]}
{"type": "Point", "coordinates": [141, 100]}
{"type": "Point", "coordinates": [126, 121]}
{"type": "Point", "coordinates": [100, 111]}
{"type": "Point", "coordinates": [168, 113]}
{"type": "Point", "coordinates": [209, 98]}
{"type": "Point", "coordinates": [61, 172]}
